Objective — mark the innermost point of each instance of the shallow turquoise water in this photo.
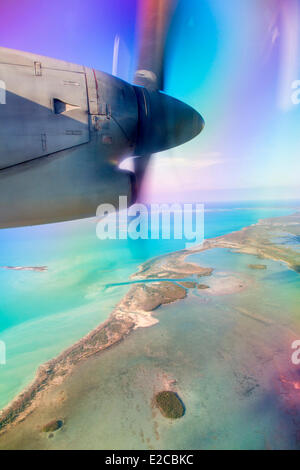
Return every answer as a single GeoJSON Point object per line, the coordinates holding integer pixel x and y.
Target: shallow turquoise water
{"type": "Point", "coordinates": [230, 356]}
{"type": "Point", "coordinates": [41, 313]}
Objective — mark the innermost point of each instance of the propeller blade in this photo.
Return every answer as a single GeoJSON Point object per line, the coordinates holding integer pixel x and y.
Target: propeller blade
{"type": "Point", "coordinates": [153, 21]}
{"type": "Point", "coordinates": [140, 168]}
{"type": "Point", "coordinates": [154, 17]}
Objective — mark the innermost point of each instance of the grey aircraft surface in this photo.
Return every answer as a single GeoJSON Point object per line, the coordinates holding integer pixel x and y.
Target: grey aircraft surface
{"type": "Point", "coordinates": [65, 128]}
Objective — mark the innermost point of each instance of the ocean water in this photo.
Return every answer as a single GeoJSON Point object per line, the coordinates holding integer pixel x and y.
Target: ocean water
{"type": "Point", "coordinates": [42, 313]}
{"type": "Point", "coordinates": [229, 357]}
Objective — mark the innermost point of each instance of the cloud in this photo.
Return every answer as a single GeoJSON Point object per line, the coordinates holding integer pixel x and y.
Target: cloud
{"type": "Point", "coordinates": [202, 160]}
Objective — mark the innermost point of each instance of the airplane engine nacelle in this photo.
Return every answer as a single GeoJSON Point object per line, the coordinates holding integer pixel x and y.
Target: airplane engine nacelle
{"type": "Point", "coordinates": [65, 128]}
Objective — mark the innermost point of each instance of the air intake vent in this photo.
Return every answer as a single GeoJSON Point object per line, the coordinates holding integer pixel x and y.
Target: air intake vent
{"type": "Point", "coordinates": [62, 107]}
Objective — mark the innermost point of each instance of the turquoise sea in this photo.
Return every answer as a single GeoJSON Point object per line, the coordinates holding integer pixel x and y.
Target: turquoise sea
{"type": "Point", "coordinates": [42, 313]}
{"type": "Point", "coordinates": [228, 355]}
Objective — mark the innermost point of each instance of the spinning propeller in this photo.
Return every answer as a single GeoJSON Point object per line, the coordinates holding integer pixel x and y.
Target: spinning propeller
{"type": "Point", "coordinates": [166, 122]}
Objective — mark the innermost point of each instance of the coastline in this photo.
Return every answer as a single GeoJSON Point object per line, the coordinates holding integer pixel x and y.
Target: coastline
{"type": "Point", "coordinates": [133, 311]}
{"type": "Point", "coordinates": [138, 305]}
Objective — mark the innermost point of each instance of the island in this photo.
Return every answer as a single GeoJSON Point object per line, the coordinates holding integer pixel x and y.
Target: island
{"type": "Point", "coordinates": [53, 426]}
{"type": "Point", "coordinates": [26, 268]}
{"type": "Point", "coordinates": [169, 404]}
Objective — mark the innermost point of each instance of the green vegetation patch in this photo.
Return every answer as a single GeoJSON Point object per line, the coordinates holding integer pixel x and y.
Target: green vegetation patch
{"type": "Point", "coordinates": [169, 404]}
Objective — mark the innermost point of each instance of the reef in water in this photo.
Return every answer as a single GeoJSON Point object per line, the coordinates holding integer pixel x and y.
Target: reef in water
{"type": "Point", "coordinates": [53, 425]}
{"type": "Point", "coordinates": [257, 266]}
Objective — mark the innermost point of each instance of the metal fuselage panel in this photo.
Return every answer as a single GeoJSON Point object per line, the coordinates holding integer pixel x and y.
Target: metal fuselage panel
{"type": "Point", "coordinates": [30, 126]}
{"type": "Point", "coordinates": [63, 130]}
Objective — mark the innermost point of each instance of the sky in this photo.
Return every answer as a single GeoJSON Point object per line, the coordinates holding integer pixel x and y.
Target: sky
{"type": "Point", "coordinates": [234, 61]}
